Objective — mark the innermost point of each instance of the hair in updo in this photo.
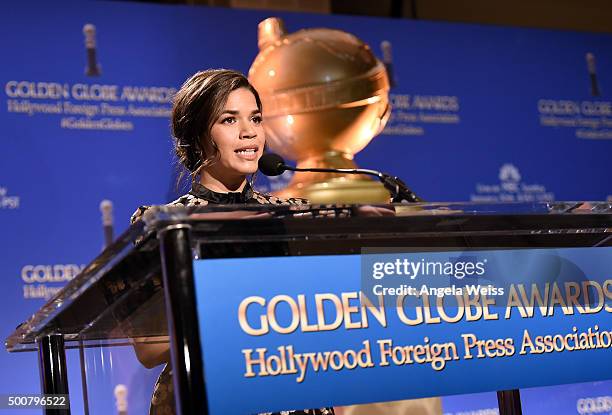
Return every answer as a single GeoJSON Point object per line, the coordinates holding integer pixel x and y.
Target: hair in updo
{"type": "Point", "coordinates": [196, 107]}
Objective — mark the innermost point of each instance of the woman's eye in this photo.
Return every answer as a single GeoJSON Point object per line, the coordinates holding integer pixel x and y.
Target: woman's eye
{"type": "Point", "coordinates": [257, 119]}
{"type": "Point", "coordinates": [228, 120]}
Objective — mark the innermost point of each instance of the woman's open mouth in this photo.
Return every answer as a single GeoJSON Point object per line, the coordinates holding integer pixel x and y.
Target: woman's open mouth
{"type": "Point", "coordinates": [247, 153]}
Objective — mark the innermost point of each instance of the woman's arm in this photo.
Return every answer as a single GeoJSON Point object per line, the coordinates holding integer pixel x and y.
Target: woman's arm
{"type": "Point", "coordinates": [152, 351]}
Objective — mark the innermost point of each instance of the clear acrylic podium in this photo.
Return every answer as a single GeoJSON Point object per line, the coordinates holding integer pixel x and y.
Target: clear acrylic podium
{"type": "Point", "coordinates": [140, 290]}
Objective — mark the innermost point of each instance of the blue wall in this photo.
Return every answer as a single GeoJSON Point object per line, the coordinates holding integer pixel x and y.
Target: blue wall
{"type": "Point", "coordinates": [524, 125]}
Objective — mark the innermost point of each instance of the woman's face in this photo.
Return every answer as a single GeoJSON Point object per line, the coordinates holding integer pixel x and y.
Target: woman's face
{"type": "Point", "coordinates": [239, 136]}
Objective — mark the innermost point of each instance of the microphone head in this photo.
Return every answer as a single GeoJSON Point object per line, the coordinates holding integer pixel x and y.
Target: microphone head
{"type": "Point", "coordinates": [590, 58]}
{"type": "Point", "coordinates": [89, 31]}
{"type": "Point", "coordinates": [385, 46]}
{"type": "Point", "coordinates": [121, 394]}
{"type": "Point", "coordinates": [271, 164]}
{"type": "Point", "coordinates": [106, 208]}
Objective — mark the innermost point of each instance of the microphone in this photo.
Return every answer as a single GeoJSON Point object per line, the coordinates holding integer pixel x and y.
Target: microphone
{"type": "Point", "coordinates": [121, 399]}
{"type": "Point", "coordinates": [272, 164]}
{"type": "Point", "coordinates": [106, 207]}
{"type": "Point", "coordinates": [590, 58]}
{"type": "Point", "coordinates": [92, 68]}
{"type": "Point", "coordinates": [385, 46]}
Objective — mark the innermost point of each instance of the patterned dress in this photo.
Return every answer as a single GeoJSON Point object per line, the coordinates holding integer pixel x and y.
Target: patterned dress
{"type": "Point", "coordinates": [162, 401]}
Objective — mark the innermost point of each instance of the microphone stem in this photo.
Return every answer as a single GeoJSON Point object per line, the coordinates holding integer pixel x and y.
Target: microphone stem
{"type": "Point", "coordinates": [108, 235]}
{"type": "Point", "coordinates": [327, 170]}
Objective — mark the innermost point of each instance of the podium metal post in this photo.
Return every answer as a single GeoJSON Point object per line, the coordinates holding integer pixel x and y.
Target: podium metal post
{"type": "Point", "coordinates": [509, 402]}
{"type": "Point", "coordinates": [53, 371]}
{"type": "Point", "coordinates": [185, 348]}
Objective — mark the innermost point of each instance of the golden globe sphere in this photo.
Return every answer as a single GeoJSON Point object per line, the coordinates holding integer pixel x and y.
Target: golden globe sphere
{"type": "Point", "coordinates": [325, 96]}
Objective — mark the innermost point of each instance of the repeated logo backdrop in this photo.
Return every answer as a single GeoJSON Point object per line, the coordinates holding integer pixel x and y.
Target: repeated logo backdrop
{"type": "Point", "coordinates": [481, 113]}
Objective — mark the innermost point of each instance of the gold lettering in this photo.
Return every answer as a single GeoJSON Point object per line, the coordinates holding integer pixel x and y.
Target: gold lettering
{"type": "Point", "coordinates": [259, 361]}
{"type": "Point", "coordinates": [442, 311]}
{"type": "Point", "coordinates": [295, 315]}
{"type": "Point", "coordinates": [514, 301]}
{"type": "Point", "coordinates": [304, 326]}
{"type": "Point", "coordinates": [242, 318]}
{"type": "Point", "coordinates": [572, 292]}
{"type": "Point", "coordinates": [319, 299]}
{"type": "Point", "coordinates": [378, 312]}
{"type": "Point", "coordinates": [608, 294]}
{"type": "Point", "coordinates": [587, 300]}
{"type": "Point", "coordinates": [348, 310]}
{"type": "Point", "coordinates": [401, 313]}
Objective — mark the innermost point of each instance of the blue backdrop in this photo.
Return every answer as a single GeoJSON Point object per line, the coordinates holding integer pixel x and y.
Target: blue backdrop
{"type": "Point", "coordinates": [518, 121]}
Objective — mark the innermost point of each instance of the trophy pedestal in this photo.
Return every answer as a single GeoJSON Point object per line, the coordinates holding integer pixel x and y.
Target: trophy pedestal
{"type": "Point", "coordinates": [339, 191]}
{"type": "Point", "coordinates": [327, 188]}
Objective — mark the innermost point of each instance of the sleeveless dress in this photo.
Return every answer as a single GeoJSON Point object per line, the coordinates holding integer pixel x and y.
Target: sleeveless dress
{"type": "Point", "coordinates": [162, 401]}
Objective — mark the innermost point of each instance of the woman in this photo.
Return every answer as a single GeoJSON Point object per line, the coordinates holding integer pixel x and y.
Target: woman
{"type": "Point", "coordinates": [219, 138]}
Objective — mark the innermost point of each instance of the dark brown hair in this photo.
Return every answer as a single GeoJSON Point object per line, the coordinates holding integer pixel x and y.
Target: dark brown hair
{"type": "Point", "coordinates": [196, 107]}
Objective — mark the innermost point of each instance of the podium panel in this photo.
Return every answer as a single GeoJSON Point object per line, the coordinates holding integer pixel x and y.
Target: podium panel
{"type": "Point", "coordinates": [317, 306]}
{"type": "Point", "coordinates": [307, 327]}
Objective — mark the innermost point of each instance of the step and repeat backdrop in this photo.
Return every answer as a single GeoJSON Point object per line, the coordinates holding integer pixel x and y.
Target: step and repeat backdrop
{"type": "Point", "coordinates": [480, 113]}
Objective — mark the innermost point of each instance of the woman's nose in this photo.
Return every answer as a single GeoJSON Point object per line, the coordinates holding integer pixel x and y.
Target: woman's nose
{"type": "Point", "coordinates": [247, 130]}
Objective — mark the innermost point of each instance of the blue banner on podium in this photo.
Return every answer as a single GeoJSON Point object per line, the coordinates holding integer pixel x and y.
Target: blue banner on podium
{"type": "Point", "coordinates": [290, 332]}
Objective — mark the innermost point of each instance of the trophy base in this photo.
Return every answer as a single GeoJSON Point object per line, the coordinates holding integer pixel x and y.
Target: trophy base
{"type": "Point", "coordinates": [327, 188]}
{"type": "Point", "coordinates": [339, 190]}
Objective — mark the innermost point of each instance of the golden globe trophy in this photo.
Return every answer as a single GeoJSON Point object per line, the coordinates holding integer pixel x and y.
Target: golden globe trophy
{"type": "Point", "coordinates": [325, 96]}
